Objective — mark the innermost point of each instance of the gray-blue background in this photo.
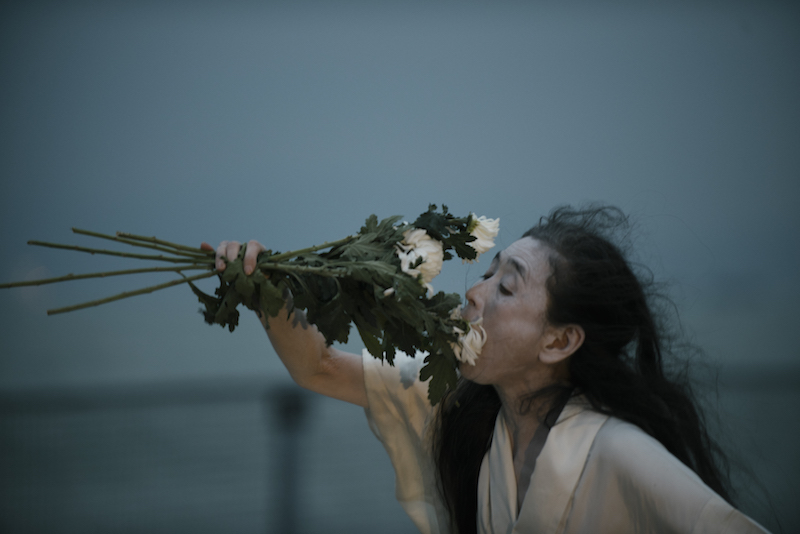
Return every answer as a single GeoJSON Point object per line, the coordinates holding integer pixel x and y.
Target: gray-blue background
{"type": "Point", "coordinates": [291, 123]}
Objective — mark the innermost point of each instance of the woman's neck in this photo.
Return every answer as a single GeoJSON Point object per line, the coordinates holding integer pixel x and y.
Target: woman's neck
{"type": "Point", "coordinates": [522, 424]}
{"type": "Point", "coordinates": [523, 410]}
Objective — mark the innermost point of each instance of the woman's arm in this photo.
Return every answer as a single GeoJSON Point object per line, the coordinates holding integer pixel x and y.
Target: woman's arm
{"type": "Point", "coordinates": [300, 346]}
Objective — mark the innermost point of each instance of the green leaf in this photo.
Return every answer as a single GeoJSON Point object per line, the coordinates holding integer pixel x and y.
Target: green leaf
{"type": "Point", "coordinates": [270, 297]}
{"type": "Point", "coordinates": [435, 224]}
{"type": "Point", "coordinates": [363, 248]}
{"type": "Point", "coordinates": [371, 225]}
{"type": "Point", "coordinates": [442, 374]}
{"type": "Point", "coordinates": [370, 339]}
{"type": "Point", "coordinates": [331, 320]}
{"type": "Point", "coordinates": [207, 300]}
{"type": "Point", "coordinates": [460, 242]}
{"type": "Point", "coordinates": [227, 314]}
{"type": "Point", "coordinates": [210, 303]}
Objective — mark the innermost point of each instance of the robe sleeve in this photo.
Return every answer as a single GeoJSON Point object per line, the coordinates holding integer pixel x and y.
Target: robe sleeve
{"type": "Point", "coordinates": [400, 416]}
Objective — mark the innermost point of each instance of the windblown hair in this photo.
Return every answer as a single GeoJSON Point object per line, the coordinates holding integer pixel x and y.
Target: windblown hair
{"type": "Point", "coordinates": [625, 367]}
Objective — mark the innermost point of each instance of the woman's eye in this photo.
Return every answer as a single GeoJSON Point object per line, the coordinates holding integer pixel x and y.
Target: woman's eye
{"type": "Point", "coordinates": [504, 290]}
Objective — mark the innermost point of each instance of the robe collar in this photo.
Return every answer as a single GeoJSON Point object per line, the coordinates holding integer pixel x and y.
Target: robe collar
{"type": "Point", "coordinates": [552, 486]}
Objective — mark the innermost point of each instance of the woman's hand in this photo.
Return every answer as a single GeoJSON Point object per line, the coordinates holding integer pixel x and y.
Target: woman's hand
{"type": "Point", "coordinates": [302, 349]}
{"type": "Point", "coordinates": [228, 250]}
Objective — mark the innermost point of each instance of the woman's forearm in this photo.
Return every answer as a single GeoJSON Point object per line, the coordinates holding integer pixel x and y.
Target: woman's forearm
{"type": "Point", "coordinates": [299, 345]}
{"type": "Point", "coordinates": [310, 362]}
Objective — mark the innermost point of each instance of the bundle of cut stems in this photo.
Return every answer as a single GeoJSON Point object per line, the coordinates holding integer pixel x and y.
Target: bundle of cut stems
{"type": "Point", "coordinates": [182, 257]}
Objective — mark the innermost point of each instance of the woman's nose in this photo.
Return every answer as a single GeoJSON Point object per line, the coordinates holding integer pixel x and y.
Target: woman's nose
{"type": "Point", "coordinates": [473, 301]}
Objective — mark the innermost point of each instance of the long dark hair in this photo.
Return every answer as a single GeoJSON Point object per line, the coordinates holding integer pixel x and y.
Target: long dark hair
{"type": "Point", "coordinates": [627, 366]}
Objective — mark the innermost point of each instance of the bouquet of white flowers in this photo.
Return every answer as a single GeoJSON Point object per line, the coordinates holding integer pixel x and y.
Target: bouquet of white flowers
{"type": "Point", "coordinates": [378, 280]}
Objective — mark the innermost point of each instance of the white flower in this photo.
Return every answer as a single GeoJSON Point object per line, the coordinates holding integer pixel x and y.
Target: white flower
{"type": "Point", "coordinates": [485, 230]}
{"type": "Point", "coordinates": [418, 244]}
{"type": "Point", "coordinates": [469, 346]}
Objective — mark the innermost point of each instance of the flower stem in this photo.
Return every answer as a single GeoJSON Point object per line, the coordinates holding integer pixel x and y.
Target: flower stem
{"type": "Point", "coordinates": [127, 294]}
{"type": "Point", "coordinates": [194, 255]}
{"type": "Point", "coordinates": [321, 271]}
{"type": "Point", "coordinates": [166, 243]}
{"type": "Point", "coordinates": [65, 278]}
{"type": "Point", "coordinates": [288, 255]}
{"type": "Point", "coordinates": [208, 260]}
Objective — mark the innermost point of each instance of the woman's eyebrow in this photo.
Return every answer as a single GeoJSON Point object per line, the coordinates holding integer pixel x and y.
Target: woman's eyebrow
{"type": "Point", "coordinates": [518, 265]}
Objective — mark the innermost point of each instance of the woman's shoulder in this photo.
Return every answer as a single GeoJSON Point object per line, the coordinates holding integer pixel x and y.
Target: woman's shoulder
{"type": "Point", "coordinates": [635, 480]}
{"type": "Point", "coordinates": [636, 454]}
{"type": "Point", "coordinates": [629, 460]}
{"type": "Point", "coordinates": [617, 442]}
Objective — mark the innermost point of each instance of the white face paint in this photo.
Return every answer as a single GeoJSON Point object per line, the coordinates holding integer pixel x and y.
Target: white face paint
{"type": "Point", "coordinates": [512, 300]}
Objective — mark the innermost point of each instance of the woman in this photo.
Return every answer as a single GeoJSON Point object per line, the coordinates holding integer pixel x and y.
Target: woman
{"type": "Point", "coordinates": [567, 422]}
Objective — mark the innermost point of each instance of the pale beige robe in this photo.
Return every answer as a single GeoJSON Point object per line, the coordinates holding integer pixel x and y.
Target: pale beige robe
{"type": "Point", "coordinates": [595, 474]}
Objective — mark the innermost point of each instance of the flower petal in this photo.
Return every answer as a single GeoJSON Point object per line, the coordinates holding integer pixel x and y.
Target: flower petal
{"type": "Point", "coordinates": [484, 230]}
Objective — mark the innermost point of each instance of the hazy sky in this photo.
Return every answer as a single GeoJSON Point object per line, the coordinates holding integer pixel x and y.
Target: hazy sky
{"type": "Point", "coordinates": [237, 120]}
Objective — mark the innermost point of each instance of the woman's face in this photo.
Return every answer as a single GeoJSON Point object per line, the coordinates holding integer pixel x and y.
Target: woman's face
{"type": "Point", "coordinates": [512, 299]}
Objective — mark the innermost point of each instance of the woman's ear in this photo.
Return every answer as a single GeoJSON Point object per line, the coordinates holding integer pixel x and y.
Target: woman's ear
{"type": "Point", "coordinates": [560, 342]}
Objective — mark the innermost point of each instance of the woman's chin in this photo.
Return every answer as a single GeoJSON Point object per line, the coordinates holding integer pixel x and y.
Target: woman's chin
{"type": "Point", "coordinates": [468, 371]}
